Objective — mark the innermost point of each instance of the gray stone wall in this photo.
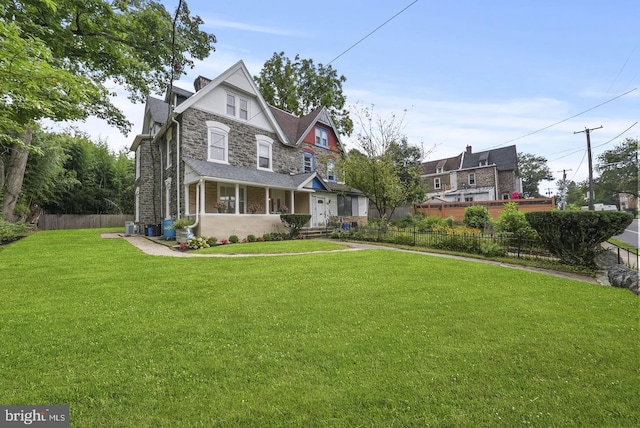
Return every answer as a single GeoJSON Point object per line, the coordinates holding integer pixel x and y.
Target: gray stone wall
{"type": "Point", "coordinates": [506, 182]}
{"type": "Point", "coordinates": [150, 197]}
{"type": "Point", "coordinates": [484, 178]}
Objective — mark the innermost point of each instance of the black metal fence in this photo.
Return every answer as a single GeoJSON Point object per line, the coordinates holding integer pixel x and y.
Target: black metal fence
{"type": "Point", "coordinates": [628, 258]}
{"type": "Point", "coordinates": [475, 243]}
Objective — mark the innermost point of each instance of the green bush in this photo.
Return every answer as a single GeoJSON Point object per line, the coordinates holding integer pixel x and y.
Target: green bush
{"type": "Point", "coordinates": [514, 223]}
{"type": "Point", "coordinates": [575, 236]}
{"type": "Point", "coordinates": [234, 239]}
{"type": "Point", "coordinates": [294, 222]}
{"type": "Point", "coordinates": [251, 238]}
{"type": "Point", "coordinates": [11, 231]}
{"type": "Point", "coordinates": [492, 249]}
{"type": "Point", "coordinates": [212, 241]}
{"type": "Point", "coordinates": [476, 216]}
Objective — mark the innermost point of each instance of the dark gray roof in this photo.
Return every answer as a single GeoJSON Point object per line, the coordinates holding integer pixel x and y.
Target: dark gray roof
{"type": "Point", "coordinates": [448, 164]}
{"type": "Point", "coordinates": [248, 175]}
{"type": "Point", "coordinates": [159, 109]}
{"type": "Point", "coordinates": [504, 158]}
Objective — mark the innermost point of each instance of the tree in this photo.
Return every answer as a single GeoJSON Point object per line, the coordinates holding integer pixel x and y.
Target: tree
{"type": "Point", "coordinates": [533, 169]}
{"type": "Point", "coordinates": [618, 169]}
{"type": "Point", "coordinates": [299, 86]}
{"type": "Point", "coordinates": [59, 57]}
{"type": "Point", "coordinates": [377, 166]}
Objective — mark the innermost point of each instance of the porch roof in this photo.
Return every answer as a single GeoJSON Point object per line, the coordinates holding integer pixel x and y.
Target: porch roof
{"type": "Point", "coordinates": [250, 176]}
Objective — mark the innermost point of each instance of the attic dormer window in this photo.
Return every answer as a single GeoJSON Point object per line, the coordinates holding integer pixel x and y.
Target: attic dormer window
{"type": "Point", "coordinates": [237, 106]}
{"type": "Point", "coordinates": [439, 170]}
{"type": "Point", "coordinates": [322, 137]}
{"type": "Point", "coordinates": [483, 163]}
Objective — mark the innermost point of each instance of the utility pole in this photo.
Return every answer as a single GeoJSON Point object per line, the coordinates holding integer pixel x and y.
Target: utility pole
{"type": "Point", "coordinates": [563, 190]}
{"type": "Point", "coordinates": [588, 132]}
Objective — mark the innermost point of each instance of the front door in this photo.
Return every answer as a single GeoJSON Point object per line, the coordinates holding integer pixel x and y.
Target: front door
{"type": "Point", "coordinates": [319, 213]}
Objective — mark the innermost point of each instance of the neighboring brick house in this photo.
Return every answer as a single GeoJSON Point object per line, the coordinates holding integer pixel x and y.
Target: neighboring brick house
{"type": "Point", "coordinates": [482, 176]}
{"type": "Point", "coordinates": [233, 163]}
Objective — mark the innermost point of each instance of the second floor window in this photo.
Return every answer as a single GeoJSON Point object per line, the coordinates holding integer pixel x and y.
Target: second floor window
{"type": "Point", "coordinates": [472, 179]}
{"type": "Point", "coordinates": [307, 162]}
{"type": "Point", "coordinates": [331, 170]}
{"type": "Point", "coordinates": [265, 157]}
{"type": "Point", "coordinates": [218, 142]}
{"type": "Point", "coordinates": [436, 183]}
{"type": "Point", "coordinates": [237, 106]}
{"type": "Point", "coordinates": [244, 109]}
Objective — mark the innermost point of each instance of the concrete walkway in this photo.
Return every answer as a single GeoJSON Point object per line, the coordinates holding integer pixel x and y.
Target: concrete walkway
{"type": "Point", "coordinates": [151, 247]}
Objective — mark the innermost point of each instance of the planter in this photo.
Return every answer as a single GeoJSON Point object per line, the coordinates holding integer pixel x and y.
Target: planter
{"type": "Point", "coordinates": [183, 235]}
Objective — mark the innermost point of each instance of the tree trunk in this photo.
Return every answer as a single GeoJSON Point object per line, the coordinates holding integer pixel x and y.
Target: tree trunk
{"type": "Point", "coordinates": [15, 176]}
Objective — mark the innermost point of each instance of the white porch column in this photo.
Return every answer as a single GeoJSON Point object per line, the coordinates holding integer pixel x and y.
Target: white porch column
{"type": "Point", "coordinates": [203, 205]}
{"type": "Point", "coordinates": [237, 209]}
{"type": "Point", "coordinates": [292, 205]}
{"type": "Point", "coordinates": [266, 200]}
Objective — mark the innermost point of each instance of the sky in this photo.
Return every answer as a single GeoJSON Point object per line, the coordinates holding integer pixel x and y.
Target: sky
{"type": "Point", "coordinates": [486, 74]}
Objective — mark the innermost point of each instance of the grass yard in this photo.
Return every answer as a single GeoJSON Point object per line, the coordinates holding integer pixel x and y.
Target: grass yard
{"type": "Point", "coordinates": [361, 338]}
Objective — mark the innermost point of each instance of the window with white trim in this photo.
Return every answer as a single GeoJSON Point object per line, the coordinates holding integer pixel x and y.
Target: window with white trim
{"type": "Point", "coordinates": [231, 105]}
{"type": "Point", "coordinates": [439, 170]}
{"type": "Point", "coordinates": [307, 162]}
{"type": "Point", "coordinates": [331, 170]}
{"type": "Point", "coordinates": [437, 183]}
{"type": "Point", "coordinates": [265, 154]}
{"type": "Point", "coordinates": [237, 106]}
{"type": "Point", "coordinates": [218, 142]}
{"type": "Point", "coordinates": [168, 151]}
{"type": "Point", "coordinates": [322, 137]}
{"type": "Point", "coordinates": [472, 179]}
{"type": "Point", "coordinates": [244, 109]}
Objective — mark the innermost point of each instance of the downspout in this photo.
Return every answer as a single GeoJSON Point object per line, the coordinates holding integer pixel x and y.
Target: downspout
{"type": "Point", "coordinates": [178, 181]}
{"type": "Point", "coordinates": [198, 187]}
{"type": "Point", "coordinates": [495, 175]}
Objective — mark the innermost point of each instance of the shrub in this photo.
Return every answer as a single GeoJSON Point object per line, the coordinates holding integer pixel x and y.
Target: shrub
{"type": "Point", "coordinates": [11, 231]}
{"type": "Point", "coordinates": [476, 216]}
{"type": "Point", "coordinates": [212, 241]}
{"type": "Point", "coordinates": [513, 222]}
{"type": "Point", "coordinates": [198, 242]}
{"type": "Point", "coordinates": [266, 237]}
{"type": "Point", "coordinates": [492, 249]}
{"type": "Point", "coordinates": [234, 239]}
{"type": "Point", "coordinates": [294, 222]}
{"type": "Point", "coordinates": [251, 238]}
{"type": "Point", "coordinates": [575, 236]}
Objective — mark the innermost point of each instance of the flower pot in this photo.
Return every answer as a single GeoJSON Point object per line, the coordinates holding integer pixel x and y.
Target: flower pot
{"type": "Point", "coordinates": [183, 235]}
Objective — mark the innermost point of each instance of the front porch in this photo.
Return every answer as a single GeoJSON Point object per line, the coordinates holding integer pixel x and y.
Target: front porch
{"type": "Point", "coordinates": [224, 209]}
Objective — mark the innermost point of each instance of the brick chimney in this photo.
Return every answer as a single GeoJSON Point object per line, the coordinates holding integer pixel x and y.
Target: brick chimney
{"type": "Point", "coordinates": [468, 149]}
{"type": "Point", "coordinates": [200, 82]}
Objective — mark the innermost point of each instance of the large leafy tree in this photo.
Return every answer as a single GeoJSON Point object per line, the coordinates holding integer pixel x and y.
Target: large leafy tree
{"type": "Point", "coordinates": [533, 169]}
{"type": "Point", "coordinates": [383, 166]}
{"type": "Point", "coordinates": [299, 86]}
{"type": "Point", "coordinates": [618, 169]}
{"type": "Point", "coordinates": [59, 57]}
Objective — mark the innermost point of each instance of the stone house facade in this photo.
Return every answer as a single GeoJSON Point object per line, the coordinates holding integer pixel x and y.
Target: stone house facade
{"type": "Point", "coordinates": [482, 176]}
{"type": "Point", "coordinates": [226, 159]}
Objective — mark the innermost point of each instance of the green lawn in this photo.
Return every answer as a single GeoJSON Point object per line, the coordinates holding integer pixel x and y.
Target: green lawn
{"type": "Point", "coordinates": [360, 338]}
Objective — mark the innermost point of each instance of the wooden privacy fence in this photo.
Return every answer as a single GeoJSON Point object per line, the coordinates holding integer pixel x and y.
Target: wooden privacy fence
{"type": "Point", "coordinates": [456, 209]}
{"type": "Point", "coordinates": [89, 221]}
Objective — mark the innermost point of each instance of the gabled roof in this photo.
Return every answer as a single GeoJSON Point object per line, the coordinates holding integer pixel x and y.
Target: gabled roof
{"type": "Point", "coordinates": [222, 78]}
{"type": "Point", "coordinates": [252, 176]}
{"type": "Point", "coordinates": [296, 128]}
{"type": "Point", "coordinates": [158, 110]}
{"type": "Point", "coordinates": [504, 158]}
{"type": "Point", "coordinates": [447, 164]}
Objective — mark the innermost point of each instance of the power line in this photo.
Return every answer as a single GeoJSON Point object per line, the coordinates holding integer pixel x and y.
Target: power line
{"type": "Point", "coordinates": [564, 120]}
{"type": "Point", "coordinates": [376, 29]}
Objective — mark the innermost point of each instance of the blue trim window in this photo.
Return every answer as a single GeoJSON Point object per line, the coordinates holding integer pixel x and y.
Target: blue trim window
{"type": "Point", "coordinates": [307, 162]}
{"type": "Point", "coordinates": [322, 137]}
